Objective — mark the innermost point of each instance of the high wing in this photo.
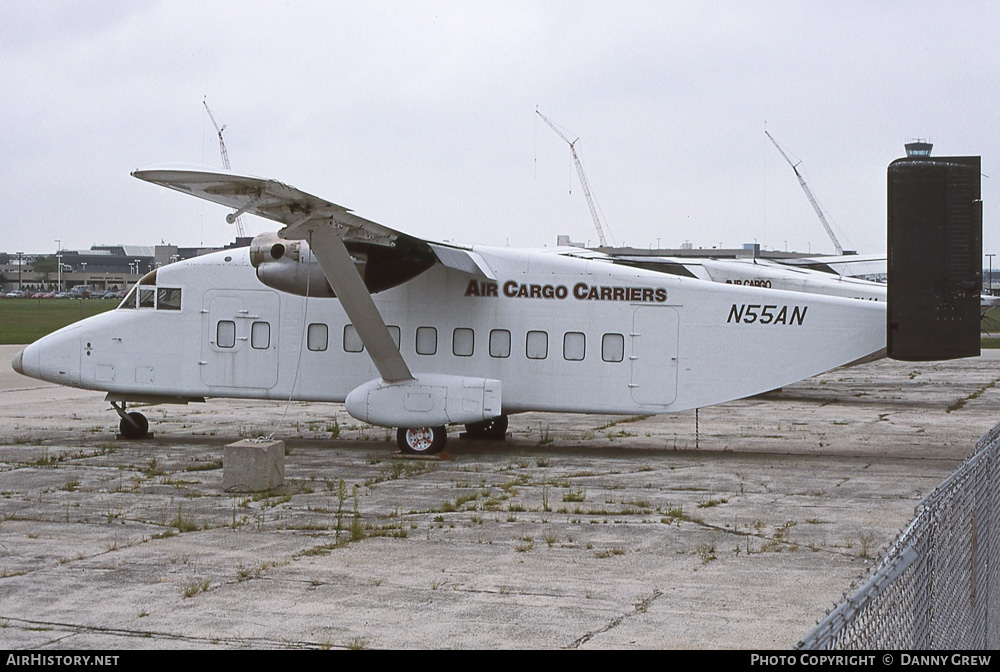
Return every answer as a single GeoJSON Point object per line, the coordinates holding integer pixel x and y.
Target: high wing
{"type": "Point", "coordinates": [329, 229]}
{"type": "Point", "coordinates": [269, 199]}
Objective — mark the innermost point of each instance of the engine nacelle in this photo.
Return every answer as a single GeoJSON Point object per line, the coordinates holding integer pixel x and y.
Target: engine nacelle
{"type": "Point", "coordinates": [288, 266]}
{"type": "Point", "coordinates": [432, 399]}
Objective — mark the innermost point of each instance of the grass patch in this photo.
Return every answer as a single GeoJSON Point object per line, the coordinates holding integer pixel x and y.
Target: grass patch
{"type": "Point", "coordinates": [975, 395]}
{"type": "Point", "coordinates": [196, 587]}
{"type": "Point", "coordinates": [673, 514]}
{"type": "Point", "coordinates": [183, 524]}
{"type": "Point", "coordinates": [713, 501]}
{"type": "Point", "coordinates": [610, 552]}
{"type": "Point", "coordinates": [204, 466]}
{"type": "Point", "coordinates": [27, 320]}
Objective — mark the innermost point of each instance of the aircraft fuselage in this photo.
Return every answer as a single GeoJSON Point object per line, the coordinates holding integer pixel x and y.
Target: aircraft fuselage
{"type": "Point", "coordinates": [560, 333]}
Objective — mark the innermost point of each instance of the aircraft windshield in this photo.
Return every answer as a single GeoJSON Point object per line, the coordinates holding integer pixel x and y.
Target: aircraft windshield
{"type": "Point", "coordinates": [129, 300]}
{"type": "Point", "coordinates": [146, 297]}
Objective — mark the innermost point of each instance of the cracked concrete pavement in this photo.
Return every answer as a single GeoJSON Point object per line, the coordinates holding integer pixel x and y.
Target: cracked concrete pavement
{"type": "Point", "coordinates": [736, 527]}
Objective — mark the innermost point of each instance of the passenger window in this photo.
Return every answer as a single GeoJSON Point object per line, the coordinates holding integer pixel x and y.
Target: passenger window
{"type": "Point", "coordinates": [352, 342]}
{"type": "Point", "coordinates": [499, 343]}
{"type": "Point", "coordinates": [574, 346]}
{"type": "Point", "coordinates": [260, 335]}
{"type": "Point", "coordinates": [463, 342]}
{"type": "Point", "coordinates": [225, 334]}
{"type": "Point", "coordinates": [317, 337]}
{"type": "Point", "coordinates": [168, 298]}
{"type": "Point", "coordinates": [537, 345]}
{"type": "Point", "coordinates": [394, 334]}
{"type": "Point", "coordinates": [427, 340]}
{"type": "Point", "coordinates": [613, 348]}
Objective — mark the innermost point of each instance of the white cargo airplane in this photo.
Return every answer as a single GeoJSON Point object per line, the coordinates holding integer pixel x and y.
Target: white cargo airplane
{"type": "Point", "coordinates": [418, 335]}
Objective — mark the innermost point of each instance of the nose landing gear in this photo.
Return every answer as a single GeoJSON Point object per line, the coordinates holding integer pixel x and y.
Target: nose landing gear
{"type": "Point", "coordinates": [132, 425]}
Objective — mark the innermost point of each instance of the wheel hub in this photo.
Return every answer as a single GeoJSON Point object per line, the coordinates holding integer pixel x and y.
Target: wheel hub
{"type": "Point", "coordinates": [419, 438]}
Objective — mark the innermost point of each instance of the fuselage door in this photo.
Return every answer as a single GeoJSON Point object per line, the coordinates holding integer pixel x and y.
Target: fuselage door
{"type": "Point", "coordinates": [654, 355]}
{"type": "Point", "coordinates": [240, 339]}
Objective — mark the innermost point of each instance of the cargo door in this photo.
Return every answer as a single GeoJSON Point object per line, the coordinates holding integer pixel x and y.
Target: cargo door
{"type": "Point", "coordinates": [653, 355]}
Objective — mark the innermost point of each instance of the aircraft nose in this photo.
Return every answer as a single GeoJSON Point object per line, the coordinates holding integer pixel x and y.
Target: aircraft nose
{"type": "Point", "coordinates": [29, 362]}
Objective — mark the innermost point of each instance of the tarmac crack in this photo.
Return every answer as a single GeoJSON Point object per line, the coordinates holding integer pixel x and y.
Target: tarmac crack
{"type": "Point", "coordinates": [773, 539]}
{"type": "Point", "coordinates": [638, 609]}
{"type": "Point", "coordinates": [76, 629]}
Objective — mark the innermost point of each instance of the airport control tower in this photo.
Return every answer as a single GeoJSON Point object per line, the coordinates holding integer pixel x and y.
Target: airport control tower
{"type": "Point", "coordinates": [918, 149]}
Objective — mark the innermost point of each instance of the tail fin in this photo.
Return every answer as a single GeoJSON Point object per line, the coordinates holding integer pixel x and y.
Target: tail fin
{"type": "Point", "coordinates": [935, 255]}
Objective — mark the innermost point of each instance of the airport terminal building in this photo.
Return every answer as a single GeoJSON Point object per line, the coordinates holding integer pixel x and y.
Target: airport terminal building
{"type": "Point", "coordinates": [104, 268]}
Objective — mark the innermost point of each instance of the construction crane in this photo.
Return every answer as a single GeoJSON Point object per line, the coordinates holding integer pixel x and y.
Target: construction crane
{"type": "Point", "coordinates": [809, 195]}
{"type": "Point", "coordinates": [234, 217]}
{"type": "Point", "coordinates": [583, 177]}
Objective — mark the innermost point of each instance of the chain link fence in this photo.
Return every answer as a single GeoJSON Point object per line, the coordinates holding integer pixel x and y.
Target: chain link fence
{"type": "Point", "coordinates": [939, 586]}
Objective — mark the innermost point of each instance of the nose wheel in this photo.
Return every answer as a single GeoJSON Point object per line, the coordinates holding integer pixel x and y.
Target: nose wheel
{"type": "Point", "coordinates": [421, 440]}
{"type": "Point", "coordinates": [135, 427]}
{"type": "Point", "coordinates": [132, 425]}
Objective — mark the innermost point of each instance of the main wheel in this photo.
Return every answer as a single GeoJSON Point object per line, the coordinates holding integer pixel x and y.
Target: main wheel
{"type": "Point", "coordinates": [421, 440]}
{"type": "Point", "coordinates": [494, 428]}
{"type": "Point", "coordinates": [137, 431]}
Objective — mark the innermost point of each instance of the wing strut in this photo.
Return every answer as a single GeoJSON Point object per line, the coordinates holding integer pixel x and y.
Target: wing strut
{"type": "Point", "coordinates": [339, 269]}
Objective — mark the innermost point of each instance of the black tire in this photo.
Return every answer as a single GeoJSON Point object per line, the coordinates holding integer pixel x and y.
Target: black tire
{"type": "Point", "coordinates": [421, 440]}
{"type": "Point", "coordinates": [137, 431]}
{"type": "Point", "coordinates": [494, 429]}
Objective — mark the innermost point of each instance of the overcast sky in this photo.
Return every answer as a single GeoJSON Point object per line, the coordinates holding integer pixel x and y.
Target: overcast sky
{"type": "Point", "coordinates": [421, 115]}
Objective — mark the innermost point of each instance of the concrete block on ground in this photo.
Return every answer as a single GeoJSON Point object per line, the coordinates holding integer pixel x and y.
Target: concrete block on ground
{"type": "Point", "coordinates": [253, 466]}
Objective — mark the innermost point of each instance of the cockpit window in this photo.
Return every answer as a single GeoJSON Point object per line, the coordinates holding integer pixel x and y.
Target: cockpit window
{"type": "Point", "coordinates": [148, 297]}
{"type": "Point", "coordinates": [129, 300]}
{"type": "Point", "coordinates": [168, 298]}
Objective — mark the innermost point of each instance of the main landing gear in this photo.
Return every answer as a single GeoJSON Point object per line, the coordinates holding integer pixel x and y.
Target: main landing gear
{"type": "Point", "coordinates": [431, 440]}
{"type": "Point", "coordinates": [494, 429]}
{"type": "Point", "coordinates": [421, 440]}
{"type": "Point", "coordinates": [133, 425]}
